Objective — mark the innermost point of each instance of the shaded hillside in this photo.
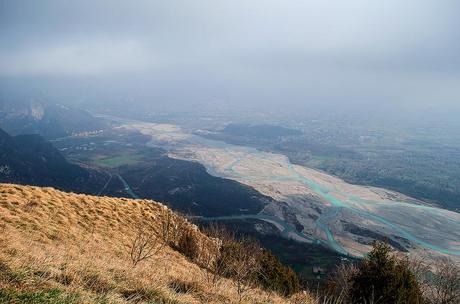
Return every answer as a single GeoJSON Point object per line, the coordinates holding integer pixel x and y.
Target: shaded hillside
{"type": "Point", "coordinates": [67, 248]}
{"type": "Point", "coordinates": [30, 159]}
{"type": "Point", "coordinates": [188, 187]}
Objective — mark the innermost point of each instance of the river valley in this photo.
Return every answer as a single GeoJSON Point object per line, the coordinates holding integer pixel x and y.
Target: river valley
{"type": "Point", "coordinates": [342, 216]}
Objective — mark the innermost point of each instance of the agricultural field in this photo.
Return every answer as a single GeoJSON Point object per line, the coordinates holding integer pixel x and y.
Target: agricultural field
{"type": "Point", "coordinates": [118, 161]}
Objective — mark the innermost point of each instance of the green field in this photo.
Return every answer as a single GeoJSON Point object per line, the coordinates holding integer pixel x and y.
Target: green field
{"type": "Point", "coordinates": [118, 161]}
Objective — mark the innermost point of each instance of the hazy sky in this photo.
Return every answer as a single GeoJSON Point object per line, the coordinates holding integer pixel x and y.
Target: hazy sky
{"type": "Point", "coordinates": [283, 52]}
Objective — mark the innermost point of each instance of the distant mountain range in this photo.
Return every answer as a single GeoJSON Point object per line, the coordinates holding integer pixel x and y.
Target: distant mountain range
{"type": "Point", "coordinates": [49, 120]}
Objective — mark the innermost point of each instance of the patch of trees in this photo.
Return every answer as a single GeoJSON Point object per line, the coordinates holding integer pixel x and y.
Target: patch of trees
{"type": "Point", "coordinates": [277, 277]}
{"type": "Point", "coordinates": [387, 278]}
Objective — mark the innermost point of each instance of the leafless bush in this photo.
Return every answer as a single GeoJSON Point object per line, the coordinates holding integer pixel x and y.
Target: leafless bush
{"type": "Point", "coordinates": [176, 228]}
{"type": "Point", "coordinates": [148, 242]}
{"type": "Point", "coordinates": [214, 266]}
{"type": "Point", "coordinates": [145, 245]}
{"type": "Point", "coordinates": [420, 269]}
{"type": "Point", "coordinates": [444, 284]}
{"type": "Point", "coordinates": [339, 282]}
{"type": "Point", "coordinates": [241, 261]}
{"type": "Point", "coordinates": [237, 259]}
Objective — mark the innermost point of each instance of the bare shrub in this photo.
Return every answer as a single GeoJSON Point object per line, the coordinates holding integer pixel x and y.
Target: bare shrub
{"type": "Point", "coordinates": [245, 262]}
{"type": "Point", "coordinates": [241, 262]}
{"type": "Point", "coordinates": [339, 283]}
{"type": "Point", "coordinates": [214, 265]}
{"type": "Point", "coordinates": [148, 242]}
{"type": "Point", "coordinates": [444, 284]}
{"type": "Point", "coordinates": [421, 270]}
{"type": "Point", "coordinates": [145, 245]}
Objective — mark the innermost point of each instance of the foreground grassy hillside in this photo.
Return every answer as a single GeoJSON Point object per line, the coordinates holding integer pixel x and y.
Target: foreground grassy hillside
{"type": "Point", "coordinates": [57, 247]}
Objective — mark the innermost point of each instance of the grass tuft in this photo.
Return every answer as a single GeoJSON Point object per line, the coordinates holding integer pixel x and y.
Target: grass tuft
{"type": "Point", "coordinates": [182, 286]}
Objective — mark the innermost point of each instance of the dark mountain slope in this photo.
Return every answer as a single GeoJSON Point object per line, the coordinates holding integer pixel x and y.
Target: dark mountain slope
{"type": "Point", "coordinates": [31, 160]}
{"type": "Point", "coordinates": [188, 187]}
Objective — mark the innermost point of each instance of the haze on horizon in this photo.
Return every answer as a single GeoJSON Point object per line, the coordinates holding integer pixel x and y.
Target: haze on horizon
{"type": "Point", "coordinates": [401, 54]}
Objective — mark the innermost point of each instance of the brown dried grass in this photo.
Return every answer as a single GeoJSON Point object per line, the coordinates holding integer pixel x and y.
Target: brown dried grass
{"type": "Point", "coordinates": [78, 244]}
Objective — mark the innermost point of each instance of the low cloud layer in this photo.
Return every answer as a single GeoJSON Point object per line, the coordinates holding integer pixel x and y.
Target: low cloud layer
{"type": "Point", "coordinates": [240, 51]}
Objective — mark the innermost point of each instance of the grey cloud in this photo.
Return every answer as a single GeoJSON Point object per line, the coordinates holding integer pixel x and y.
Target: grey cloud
{"type": "Point", "coordinates": [259, 50]}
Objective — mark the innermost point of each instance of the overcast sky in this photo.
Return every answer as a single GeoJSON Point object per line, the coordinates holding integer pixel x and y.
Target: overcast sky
{"type": "Point", "coordinates": [277, 52]}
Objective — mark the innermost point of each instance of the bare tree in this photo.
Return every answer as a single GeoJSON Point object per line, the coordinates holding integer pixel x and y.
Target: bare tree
{"type": "Point", "coordinates": [214, 266]}
{"type": "Point", "coordinates": [149, 242]}
{"type": "Point", "coordinates": [241, 262]}
{"type": "Point", "coordinates": [444, 284]}
{"type": "Point", "coordinates": [145, 245]}
{"type": "Point", "coordinates": [420, 269]}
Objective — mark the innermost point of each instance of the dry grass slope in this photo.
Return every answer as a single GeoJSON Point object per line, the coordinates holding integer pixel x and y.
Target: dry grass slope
{"type": "Point", "coordinates": [58, 247]}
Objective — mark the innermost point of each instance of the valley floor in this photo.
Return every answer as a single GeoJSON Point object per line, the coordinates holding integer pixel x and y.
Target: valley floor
{"type": "Point", "coordinates": [343, 216]}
